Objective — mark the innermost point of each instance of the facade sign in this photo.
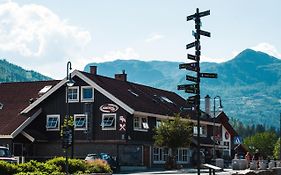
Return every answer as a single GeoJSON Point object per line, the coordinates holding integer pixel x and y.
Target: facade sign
{"type": "Point", "coordinates": [109, 108]}
{"type": "Point", "coordinates": [226, 135]}
{"type": "Point", "coordinates": [238, 140]}
{"type": "Point", "coordinates": [122, 123]}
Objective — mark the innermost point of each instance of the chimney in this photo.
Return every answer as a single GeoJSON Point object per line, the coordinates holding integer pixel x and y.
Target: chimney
{"type": "Point", "coordinates": [122, 77]}
{"type": "Point", "coordinates": [93, 70]}
{"type": "Point", "coordinates": [207, 105]}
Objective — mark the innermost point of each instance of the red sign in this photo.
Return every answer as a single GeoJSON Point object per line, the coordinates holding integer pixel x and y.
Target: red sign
{"type": "Point", "coordinates": [108, 108]}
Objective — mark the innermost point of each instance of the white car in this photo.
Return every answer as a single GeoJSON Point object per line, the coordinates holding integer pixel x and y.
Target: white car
{"type": "Point", "coordinates": [5, 155]}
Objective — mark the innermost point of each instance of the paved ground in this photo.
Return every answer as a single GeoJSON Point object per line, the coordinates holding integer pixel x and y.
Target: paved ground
{"type": "Point", "coordinates": [187, 171]}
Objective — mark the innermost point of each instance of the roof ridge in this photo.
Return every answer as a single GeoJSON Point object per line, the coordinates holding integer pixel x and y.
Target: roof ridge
{"type": "Point", "coordinates": [132, 83]}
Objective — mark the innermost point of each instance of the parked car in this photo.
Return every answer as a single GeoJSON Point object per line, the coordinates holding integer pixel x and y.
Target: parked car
{"type": "Point", "coordinates": [5, 155]}
{"type": "Point", "coordinates": [104, 156]}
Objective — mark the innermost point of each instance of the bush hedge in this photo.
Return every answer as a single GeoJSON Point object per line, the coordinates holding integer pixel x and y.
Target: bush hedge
{"type": "Point", "coordinates": [55, 166]}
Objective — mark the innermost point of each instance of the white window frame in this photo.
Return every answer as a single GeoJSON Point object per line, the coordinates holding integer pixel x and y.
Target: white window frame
{"type": "Point", "coordinates": [162, 154]}
{"type": "Point", "coordinates": [87, 99]}
{"type": "Point", "coordinates": [73, 100]}
{"type": "Point", "coordinates": [108, 128]}
{"type": "Point", "coordinates": [158, 122]}
{"type": "Point", "coordinates": [142, 126]}
{"type": "Point", "coordinates": [53, 116]}
{"type": "Point", "coordinates": [203, 130]}
{"type": "Point", "coordinates": [181, 155]}
{"type": "Point", "coordinates": [86, 122]}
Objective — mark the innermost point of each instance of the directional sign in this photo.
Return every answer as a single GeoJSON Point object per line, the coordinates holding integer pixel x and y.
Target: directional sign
{"type": "Point", "coordinates": [191, 78]}
{"type": "Point", "coordinates": [182, 87]}
{"type": "Point", "coordinates": [191, 17]}
{"type": "Point", "coordinates": [191, 57]}
{"type": "Point", "coordinates": [190, 45]}
{"type": "Point", "coordinates": [205, 13]}
{"type": "Point", "coordinates": [191, 88]}
{"type": "Point", "coordinates": [189, 66]}
{"type": "Point", "coordinates": [192, 99]}
{"type": "Point", "coordinates": [187, 86]}
{"type": "Point", "coordinates": [208, 75]}
{"type": "Point", "coordinates": [190, 108]}
{"type": "Point", "coordinates": [205, 33]}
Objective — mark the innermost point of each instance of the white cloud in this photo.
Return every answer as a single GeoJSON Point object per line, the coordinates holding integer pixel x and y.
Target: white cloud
{"type": "Point", "coordinates": [154, 37]}
{"type": "Point", "coordinates": [267, 48]}
{"type": "Point", "coordinates": [34, 37]}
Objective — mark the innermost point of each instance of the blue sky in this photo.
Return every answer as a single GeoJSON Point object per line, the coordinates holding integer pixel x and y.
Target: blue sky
{"type": "Point", "coordinates": [43, 35]}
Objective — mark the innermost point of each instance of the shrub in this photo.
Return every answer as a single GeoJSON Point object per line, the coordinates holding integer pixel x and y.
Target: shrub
{"type": "Point", "coordinates": [76, 165]}
{"type": "Point", "coordinates": [98, 166]}
{"type": "Point", "coordinates": [40, 173]}
{"type": "Point", "coordinates": [7, 168]}
{"type": "Point", "coordinates": [58, 162]}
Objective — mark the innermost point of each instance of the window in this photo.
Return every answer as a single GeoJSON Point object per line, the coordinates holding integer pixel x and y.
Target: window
{"type": "Point", "coordinates": [203, 130]}
{"type": "Point", "coordinates": [158, 123]}
{"type": "Point", "coordinates": [87, 93]}
{"type": "Point", "coordinates": [141, 124]}
{"type": "Point", "coordinates": [73, 94]}
{"type": "Point", "coordinates": [53, 122]}
{"type": "Point", "coordinates": [183, 155]}
{"type": "Point", "coordinates": [81, 121]}
{"type": "Point", "coordinates": [160, 155]}
{"type": "Point", "coordinates": [108, 122]}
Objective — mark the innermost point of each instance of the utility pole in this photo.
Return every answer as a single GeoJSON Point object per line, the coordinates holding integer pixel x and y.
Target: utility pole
{"type": "Point", "coordinates": [193, 102]}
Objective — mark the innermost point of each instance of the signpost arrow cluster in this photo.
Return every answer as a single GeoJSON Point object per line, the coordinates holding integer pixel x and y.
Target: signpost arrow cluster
{"type": "Point", "coordinates": [193, 102]}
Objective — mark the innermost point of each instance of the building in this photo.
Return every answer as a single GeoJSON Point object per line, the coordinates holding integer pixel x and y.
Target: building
{"type": "Point", "coordinates": [110, 115]}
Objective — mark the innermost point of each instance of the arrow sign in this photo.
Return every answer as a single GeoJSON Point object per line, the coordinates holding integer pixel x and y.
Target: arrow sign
{"type": "Point", "coordinates": [191, 88]}
{"type": "Point", "coordinates": [191, 57]}
{"type": "Point", "coordinates": [190, 17]}
{"type": "Point", "coordinates": [205, 13]}
{"type": "Point", "coordinates": [190, 45]}
{"type": "Point", "coordinates": [205, 33]}
{"type": "Point", "coordinates": [189, 66]}
{"type": "Point", "coordinates": [208, 75]}
{"type": "Point", "coordinates": [182, 87]}
{"type": "Point", "coordinates": [192, 99]}
{"type": "Point", "coordinates": [187, 86]}
{"type": "Point", "coordinates": [191, 78]}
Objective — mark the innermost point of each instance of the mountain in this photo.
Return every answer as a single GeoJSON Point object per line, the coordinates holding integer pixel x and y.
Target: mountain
{"type": "Point", "coordinates": [13, 73]}
{"type": "Point", "coordinates": [249, 84]}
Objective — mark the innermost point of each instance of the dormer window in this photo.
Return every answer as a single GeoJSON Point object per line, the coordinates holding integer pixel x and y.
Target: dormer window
{"type": "Point", "coordinates": [73, 94]}
{"type": "Point", "coordinates": [87, 94]}
{"type": "Point", "coordinates": [1, 106]}
{"type": "Point", "coordinates": [53, 122]}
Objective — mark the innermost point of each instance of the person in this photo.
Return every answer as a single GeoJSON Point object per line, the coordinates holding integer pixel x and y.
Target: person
{"type": "Point", "coordinates": [248, 158]}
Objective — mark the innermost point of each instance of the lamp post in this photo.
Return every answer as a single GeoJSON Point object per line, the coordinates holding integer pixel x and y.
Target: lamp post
{"type": "Point", "coordinates": [214, 117]}
{"type": "Point", "coordinates": [67, 132]}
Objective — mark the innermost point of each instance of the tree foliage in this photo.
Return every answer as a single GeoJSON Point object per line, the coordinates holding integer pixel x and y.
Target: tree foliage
{"type": "Point", "coordinates": [263, 141]}
{"type": "Point", "coordinates": [174, 133]}
{"type": "Point", "coordinates": [276, 151]}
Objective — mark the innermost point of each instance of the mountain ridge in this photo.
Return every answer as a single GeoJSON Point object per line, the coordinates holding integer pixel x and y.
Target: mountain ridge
{"type": "Point", "coordinates": [248, 84]}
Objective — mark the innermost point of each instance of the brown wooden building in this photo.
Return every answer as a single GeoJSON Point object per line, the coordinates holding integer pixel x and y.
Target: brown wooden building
{"type": "Point", "coordinates": [111, 115]}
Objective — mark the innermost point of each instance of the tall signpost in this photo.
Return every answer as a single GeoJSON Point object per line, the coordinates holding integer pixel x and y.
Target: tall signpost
{"type": "Point", "coordinates": [194, 101]}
